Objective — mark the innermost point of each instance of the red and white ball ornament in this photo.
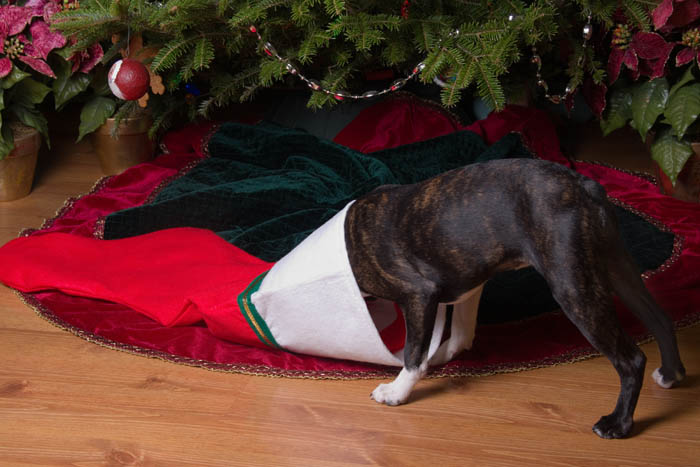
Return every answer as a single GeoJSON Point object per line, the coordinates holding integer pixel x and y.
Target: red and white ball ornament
{"type": "Point", "coordinates": [128, 79]}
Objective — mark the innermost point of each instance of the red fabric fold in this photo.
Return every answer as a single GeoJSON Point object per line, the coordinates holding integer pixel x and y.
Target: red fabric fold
{"type": "Point", "coordinates": [177, 277]}
{"type": "Point", "coordinates": [394, 122]}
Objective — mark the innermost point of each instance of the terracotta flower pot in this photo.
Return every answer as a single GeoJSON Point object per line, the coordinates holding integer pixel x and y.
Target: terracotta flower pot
{"type": "Point", "coordinates": [17, 169]}
{"type": "Point", "coordinates": [687, 185]}
{"type": "Point", "coordinates": [131, 147]}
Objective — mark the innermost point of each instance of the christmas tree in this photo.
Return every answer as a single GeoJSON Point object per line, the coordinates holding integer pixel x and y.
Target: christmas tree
{"type": "Point", "coordinates": [213, 53]}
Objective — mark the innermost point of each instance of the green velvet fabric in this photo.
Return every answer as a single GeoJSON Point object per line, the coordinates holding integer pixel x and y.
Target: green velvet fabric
{"type": "Point", "coordinates": [265, 188]}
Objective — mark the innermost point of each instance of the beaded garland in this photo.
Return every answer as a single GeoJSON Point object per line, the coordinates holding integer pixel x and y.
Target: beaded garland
{"type": "Point", "coordinates": [316, 86]}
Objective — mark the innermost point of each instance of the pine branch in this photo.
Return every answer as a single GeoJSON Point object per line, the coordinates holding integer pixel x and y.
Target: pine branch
{"type": "Point", "coordinates": [203, 54]}
{"type": "Point", "coordinates": [434, 63]}
{"type": "Point", "coordinates": [209, 42]}
{"type": "Point", "coordinates": [271, 71]}
{"type": "Point", "coordinates": [227, 88]}
{"type": "Point", "coordinates": [168, 55]}
{"type": "Point", "coordinates": [81, 22]}
{"type": "Point", "coordinates": [637, 13]}
{"type": "Point", "coordinates": [488, 86]}
{"type": "Point", "coordinates": [309, 46]}
{"type": "Point", "coordinates": [301, 13]}
{"type": "Point", "coordinates": [397, 50]}
{"type": "Point", "coordinates": [334, 7]}
{"type": "Point", "coordinates": [252, 14]}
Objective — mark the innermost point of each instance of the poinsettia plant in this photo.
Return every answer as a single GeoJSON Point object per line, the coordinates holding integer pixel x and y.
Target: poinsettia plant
{"type": "Point", "coordinates": [35, 61]}
{"type": "Point", "coordinates": [660, 93]}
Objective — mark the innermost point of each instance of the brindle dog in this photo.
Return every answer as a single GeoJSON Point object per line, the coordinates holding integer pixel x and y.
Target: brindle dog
{"type": "Point", "coordinates": [435, 241]}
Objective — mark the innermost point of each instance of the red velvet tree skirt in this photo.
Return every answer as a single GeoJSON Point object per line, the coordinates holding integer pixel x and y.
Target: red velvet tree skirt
{"type": "Point", "coordinates": [535, 342]}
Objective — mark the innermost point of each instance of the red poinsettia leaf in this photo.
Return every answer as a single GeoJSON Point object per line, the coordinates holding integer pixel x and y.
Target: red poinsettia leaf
{"type": "Point", "coordinates": [30, 50]}
{"type": "Point", "coordinates": [37, 6]}
{"type": "Point", "coordinates": [3, 36]}
{"type": "Point", "coordinates": [44, 39]}
{"type": "Point", "coordinates": [630, 59]}
{"type": "Point", "coordinates": [5, 67]}
{"type": "Point", "coordinates": [91, 57]}
{"type": "Point", "coordinates": [50, 9]}
{"type": "Point", "coordinates": [684, 56]}
{"type": "Point", "coordinates": [684, 13]}
{"type": "Point", "coordinates": [654, 68]}
{"type": "Point", "coordinates": [649, 45]}
{"type": "Point", "coordinates": [615, 63]}
{"type": "Point", "coordinates": [16, 17]}
{"type": "Point", "coordinates": [660, 64]}
{"type": "Point", "coordinates": [39, 65]}
{"type": "Point", "coordinates": [662, 13]}
{"type": "Point", "coordinates": [595, 96]}
{"type": "Point", "coordinates": [635, 74]}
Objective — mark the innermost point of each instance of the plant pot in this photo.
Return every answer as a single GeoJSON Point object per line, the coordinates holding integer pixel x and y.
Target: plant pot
{"type": "Point", "coordinates": [131, 147]}
{"type": "Point", "coordinates": [687, 187]}
{"type": "Point", "coordinates": [17, 169]}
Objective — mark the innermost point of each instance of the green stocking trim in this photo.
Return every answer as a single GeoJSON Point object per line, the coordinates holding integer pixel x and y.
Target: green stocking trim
{"type": "Point", "coordinates": [256, 322]}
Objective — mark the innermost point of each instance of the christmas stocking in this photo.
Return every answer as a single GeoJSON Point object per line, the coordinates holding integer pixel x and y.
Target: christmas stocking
{"type": "Point", "coordinates": [307, 302]}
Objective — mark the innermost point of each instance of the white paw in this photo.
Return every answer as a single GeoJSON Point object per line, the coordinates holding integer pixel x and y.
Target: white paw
{"type": "Point", "coordinates": [389, 394]}
{"type": "Point", "coordinates": [660, 380]}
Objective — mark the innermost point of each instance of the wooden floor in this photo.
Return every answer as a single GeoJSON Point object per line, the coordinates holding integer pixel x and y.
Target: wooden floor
{"type": "Point", "coordinates": [65, 401]}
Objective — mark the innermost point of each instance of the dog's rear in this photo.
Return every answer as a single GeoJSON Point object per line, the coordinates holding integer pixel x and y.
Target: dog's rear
{"type": "Point", "coordinates": [432, 242]}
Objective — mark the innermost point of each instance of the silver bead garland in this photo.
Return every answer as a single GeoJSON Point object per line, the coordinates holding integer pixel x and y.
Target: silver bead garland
{"type": "Point", "coordinates": [587, 33]}
{"type": "Point", "coordinates": [314, 85]}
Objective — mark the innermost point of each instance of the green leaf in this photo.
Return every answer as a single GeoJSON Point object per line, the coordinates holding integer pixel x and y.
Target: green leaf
{"type": "Point", "coordinates": [671, 154]}
{"type": "Point", "coordinates": [33, 118]}
{"type": "Point", "coordinates": [618, 112]}
{"type": "Point", "coordinates": [684, 108]}
{"type": "Point", "coordinates": [99, 83]}
{"type": "Point", "coordinates": [15, 76]}
{"type": "Point", "coordinates": [686, 78]}
{"type": "Point", "coordinates": [66, 85]}
{"type": "Point", "coordinates": [648, 102]}
{"type": "Point", "coordinates": [29, 92]}
{"type": "Point", "coordinates": [7, 143]}
{"type": "Point", "coordinates": [95, 112]}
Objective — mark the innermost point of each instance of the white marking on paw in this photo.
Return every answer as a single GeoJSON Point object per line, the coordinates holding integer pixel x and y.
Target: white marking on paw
{"type": "Point", "coordinates": [397, 391]}
{"type": "Point", "coordinates": [658, 377]}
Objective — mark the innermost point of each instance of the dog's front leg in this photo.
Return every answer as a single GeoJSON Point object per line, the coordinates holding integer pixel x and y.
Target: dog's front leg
{"type": "Point", "coordinates": [420, 320]}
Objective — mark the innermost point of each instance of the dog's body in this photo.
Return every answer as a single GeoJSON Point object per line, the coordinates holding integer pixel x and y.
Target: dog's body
{"type": "Point", "coordinates": [440, 240]}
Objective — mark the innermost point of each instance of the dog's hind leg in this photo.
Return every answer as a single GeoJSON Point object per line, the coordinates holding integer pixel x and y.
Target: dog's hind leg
{"type": "Point", "coordinates": [589, 305]}
{"type": "Point", "coordinates": [420, 313]}
{"type": "Point", "coordinates": [630, 288]}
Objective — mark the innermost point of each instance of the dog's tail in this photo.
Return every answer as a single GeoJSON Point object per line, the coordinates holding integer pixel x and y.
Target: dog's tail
{"type": "Point", "coordinates": [629, 287]}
